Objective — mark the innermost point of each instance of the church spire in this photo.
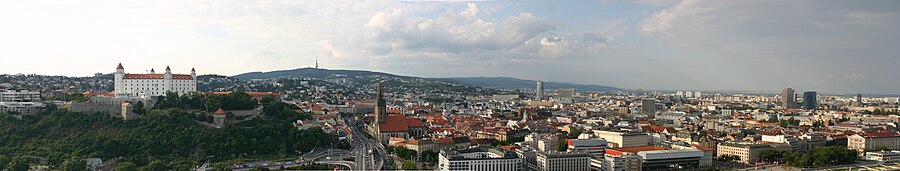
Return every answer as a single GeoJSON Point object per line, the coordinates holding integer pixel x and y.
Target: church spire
{"type": "Point", "coordinates": [380, 105]}
{"type": "Point", "coordinates": [525, 116]}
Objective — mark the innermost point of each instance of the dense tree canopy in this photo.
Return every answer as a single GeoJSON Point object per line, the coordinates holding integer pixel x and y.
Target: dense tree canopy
{"type": "Point", "coordinates": [210, 102]}
{"type": "Point", "coordinates": [161, 140]}
{"type": "Point", "coordinates": [817, 157]}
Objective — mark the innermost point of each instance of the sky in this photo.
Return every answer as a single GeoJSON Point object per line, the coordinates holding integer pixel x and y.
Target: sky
{"type": "Point", "coordinates": [823, 45]}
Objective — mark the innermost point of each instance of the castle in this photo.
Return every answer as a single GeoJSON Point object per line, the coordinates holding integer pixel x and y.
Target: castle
{"type": "Point", "coordinates": [153, 84]}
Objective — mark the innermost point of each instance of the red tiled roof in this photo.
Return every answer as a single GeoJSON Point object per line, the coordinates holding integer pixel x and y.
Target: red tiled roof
{"type": "Point", "coordinates": [657, 129]}
{"type": "Point", "coordinates": [394, 123]}
{"type": "Point", "coordinates": [444, 141]}
{"type": "Point", "coordinates": [316, 108]}
{"type": "Point", "coordinates": [510, 148]}
{"type": "Point", "coordinates": [120, 66]}
{"type": "Point", "coordinates": [702, 148]}
{"type": "Point", "coordinates": [880, 134]}
{"type": "Point", "coordinates": [414, 122]}
{"type": "Point", "coordinates": [158, 76]}
{"type": "Point", "coordinates": [220, 112]}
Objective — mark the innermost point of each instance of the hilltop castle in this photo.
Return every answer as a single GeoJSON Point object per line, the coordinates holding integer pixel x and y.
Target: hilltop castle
{"type": "Point", "coordinates": [153, 84]}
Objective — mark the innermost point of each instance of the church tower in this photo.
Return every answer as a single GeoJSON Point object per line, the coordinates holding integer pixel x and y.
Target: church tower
{"type": "Point", "coordinates": [380, 107]}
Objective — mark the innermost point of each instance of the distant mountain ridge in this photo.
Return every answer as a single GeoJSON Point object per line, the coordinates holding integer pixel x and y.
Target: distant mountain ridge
{"type": "Point", "coordinates": [508, 83]}
{"type": "Point", "coordinates": [307, 72]}
{"type": "Point", "coordinates": [522, 84]}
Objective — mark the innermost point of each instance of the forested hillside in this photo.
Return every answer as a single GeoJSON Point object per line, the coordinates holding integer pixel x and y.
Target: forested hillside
{"type": "Point", "coordinates": [162, 139]}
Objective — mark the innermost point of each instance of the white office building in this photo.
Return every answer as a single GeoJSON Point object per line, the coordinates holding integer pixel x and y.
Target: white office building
{"type": "Point", "coordinates": [563, 161]}
{"type": "Point", "coordinates": [20, 101]}
{"type": "Point", "coordinates": [480, 158]}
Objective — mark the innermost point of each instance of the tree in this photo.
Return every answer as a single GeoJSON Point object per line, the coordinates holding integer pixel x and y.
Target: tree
{"type": "Point", "coordinates": [575, 133]}
{"type": "Point", "coordinates": [138, 108]}
{"type": "Point", "coordinates": [155, 165]}
{"type": "Point", "coordinates": [770, 155]}
{"type": "Point", "coordinates": [407, 165]}
{"type": "Point", "coordinates": [220, 167]}
{"type": "Point", "coordinates": [822, 156]}
{"type": "Point", "coordinates": [773, 119]}
{"type": "Point", "coordinates": [126, 166]}
{"type": "Point", "coordinates": [74, 164]}
{"type": "Point", "coordinates": [18, 164]}
{"type": "Point", "coordinates": [430, 156]}
{"type": "Point", "coordinates": [4, 161]}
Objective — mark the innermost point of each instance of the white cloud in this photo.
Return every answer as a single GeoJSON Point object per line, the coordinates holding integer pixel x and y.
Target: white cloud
{"type": "Point", "coordinates": [795, 41]}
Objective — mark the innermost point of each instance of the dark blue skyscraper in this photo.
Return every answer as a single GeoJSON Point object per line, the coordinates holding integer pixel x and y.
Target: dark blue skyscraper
{"type": "Point", "coordinates": [809, 100]}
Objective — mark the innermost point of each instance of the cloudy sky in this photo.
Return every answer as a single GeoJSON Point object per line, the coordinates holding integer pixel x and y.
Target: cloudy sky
{"type": "Point", "coordinates": [830, 46]}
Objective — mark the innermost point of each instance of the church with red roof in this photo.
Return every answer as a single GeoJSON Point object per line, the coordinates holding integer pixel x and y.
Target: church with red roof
{"type": "Point", "coordinates": [384, 126]}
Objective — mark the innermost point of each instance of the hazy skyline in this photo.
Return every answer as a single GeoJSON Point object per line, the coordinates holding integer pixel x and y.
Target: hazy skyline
{"type": "Point", "coordinates": [827, 46]}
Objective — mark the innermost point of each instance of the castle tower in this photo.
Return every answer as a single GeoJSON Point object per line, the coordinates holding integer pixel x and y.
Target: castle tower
{"type": "Point", "coordinates": [118, 85]}
{"type": "Point", "coordinates": [152, 71]}
{"type": "Point", "coordinates": [167, 80]}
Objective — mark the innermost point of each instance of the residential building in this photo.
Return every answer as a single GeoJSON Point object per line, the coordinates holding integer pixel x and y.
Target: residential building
{"type": "Point", "coordinates": [20, 101]}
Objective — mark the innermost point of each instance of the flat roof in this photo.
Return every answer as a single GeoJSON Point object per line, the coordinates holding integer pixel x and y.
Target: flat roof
{"type": "Point", "coordinates": [639, 149]}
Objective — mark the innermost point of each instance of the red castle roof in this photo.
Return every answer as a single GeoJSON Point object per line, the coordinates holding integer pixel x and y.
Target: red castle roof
{"type": "Point", "coordinates": [158, 76]}
{"type": "Point", "coordinates": [120, 66]}
{"type": "Point", "coordinates": [220, 112]}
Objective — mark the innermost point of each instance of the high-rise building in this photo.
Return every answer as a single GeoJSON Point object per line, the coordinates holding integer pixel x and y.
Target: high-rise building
{"type": "Point", "coordinates": [787, 98]}
{"type": "Point", "coordinates": [648, 106]}
{"type": "Point", "coordinates": [566, 93]}
{"type": "Point", "coordinates": [539, 91]}
{"type": "Point", "coordinates": [809, 100]}
{"type": "Point", "coordinates": [859, 101]}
